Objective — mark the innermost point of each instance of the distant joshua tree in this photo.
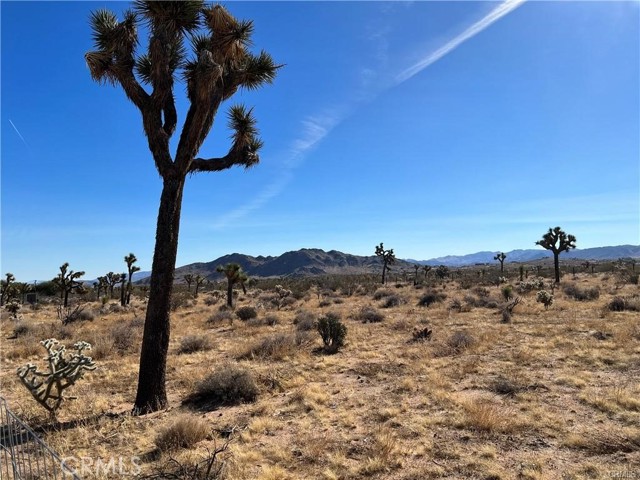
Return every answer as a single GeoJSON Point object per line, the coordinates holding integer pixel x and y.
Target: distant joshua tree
{"type": "Point", "coordinates": [234, 274]}
{"type": "Point", "coordinates": [189, 279]}
{"type": "Point", "coordinates": [67, 282]}
{"type": "Point", "coordinates": [415, 278]}
{"type": "Point", "coordinates": [6, 287]}
{"type": "Point", "coordinates": [123, 290]}
{"type": "Point", "coordinates": [131, 268]}
{"type": "Point", "coordinates": [111, 280]}
{"type": "Point", "coordinates": [442, 272]}
{"type": "Point", "coordinates": [501, 257]}
{"type": "Point", "coordinates": [388, 258]}
{"type": "Point", "coordinates": [557, 241]}
{"type": "Point", "coordinates": [426, 269]}
{"type": "Point", "coordinates": [198, 280]}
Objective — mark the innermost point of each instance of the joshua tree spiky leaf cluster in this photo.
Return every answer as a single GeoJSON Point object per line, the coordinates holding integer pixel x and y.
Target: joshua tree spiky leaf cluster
{"type": "Point", "coordinates": [67, 282]}
{"type": "Point", "coordinates": [63, 371]}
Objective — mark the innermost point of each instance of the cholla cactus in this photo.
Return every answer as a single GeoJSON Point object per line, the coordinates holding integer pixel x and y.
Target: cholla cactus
{"type": "Point", "coordinates": [282, 294]}
{"type": "Point", "coordinates": [47, 387]}
{"type": "Point", "coordinates": [13, 306]}
{"type": "Point", "coordinates": [545, 298]}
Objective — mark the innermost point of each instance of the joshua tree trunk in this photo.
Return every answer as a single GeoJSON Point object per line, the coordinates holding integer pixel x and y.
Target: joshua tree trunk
{"type": "Point", "coordinates": [229, 293]}
{"type": "Point", "coordinates": [556, 265]}
{"type": "Point", "coordinates": [152, 394]}
{"type": "Point", "coordinates": [384, 273]}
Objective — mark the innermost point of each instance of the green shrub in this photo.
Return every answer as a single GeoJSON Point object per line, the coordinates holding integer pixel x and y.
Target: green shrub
{"type": "Point", "coordinates": [332, 331]}
{"type": "Point", "coordinates": [507, 292]}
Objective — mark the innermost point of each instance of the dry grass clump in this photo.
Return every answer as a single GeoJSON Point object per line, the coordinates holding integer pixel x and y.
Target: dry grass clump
{"type": "Point", "coordinates": [620, 304]}
{"type": "Point", "coordinates": [221, 316]}
{"type": "Point", "coordinates": [382, 293]}
{"type": "Point", "coordinates": [126, 336]}
{"type": "Point", "coordinates": [430, 298]}
{"type": "Point", "coordinates": [276, 347]}
{"type": "Point", "coordinates": [368, 314]}
{"type": "Point", "coordinates": [581, 294]}
{"type": "Point", "coordinates": [227, 385]}
{"type": "Point", "coordinates": [23, 329]}
{"type": "Point", "coordinates": [304, 320]}
{"type": "Point", "coordinates": [486, 416]}
{"type": "Point", "coordinates": [184, 432]}
{"type": "Point", "coordinates": [393, 301]}
{"type": "Point", "coordinates": [246, 313]}
{"type": "Point", "coordinates": [455, 344]}
{"type": "Point", "coordinates": [195, 343]}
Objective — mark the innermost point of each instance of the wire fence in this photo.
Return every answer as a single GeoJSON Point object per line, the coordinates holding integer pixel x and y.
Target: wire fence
{"type": "Point", "coordinates": [23, 455]}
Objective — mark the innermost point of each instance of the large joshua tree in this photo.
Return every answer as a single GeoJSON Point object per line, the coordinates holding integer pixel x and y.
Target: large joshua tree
{"type": "Point", "coordinates": [557, 241]}
{"type": "Point", "coordinates": [219, 65]}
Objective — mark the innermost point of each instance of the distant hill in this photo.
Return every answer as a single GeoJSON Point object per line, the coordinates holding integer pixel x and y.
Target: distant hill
{"type": "Point", "coordinates": [314, 261]}
{"type": "Point", "coordinates": [307, 261]}
{"type": "Point", "coordinates": [598, 253]}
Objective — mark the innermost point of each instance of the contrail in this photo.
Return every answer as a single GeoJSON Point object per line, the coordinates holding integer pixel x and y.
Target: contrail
{"type": "Point", "coordinates": [20, 135]}
{"type": "Point", "coordinates": [316, 129]}
{"type": "Point", "coordinates": [496, 14]}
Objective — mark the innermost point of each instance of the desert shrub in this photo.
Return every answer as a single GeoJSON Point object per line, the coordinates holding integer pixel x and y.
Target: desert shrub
{"type": "Point", "coordinates": [13, 307]}
{"type": "Point", "coordinates": [271, 320]}
{"type": "Point", "coordinates": [506, 316]}
{"type": "Point", "coordinates": [368, 314]}
{"type": "Point", "coordinates": [338, 301]}
{"type": "Point", "coordinates": [530, 285]}
{"type": "Point", "coordinates": [430, 298]}
{"type": "Point", "coordinates": [125, 336]}
{"type": "Point", "coordinates": [421, 334]}
{"type": "Point", "coordinates": [211, 300]}
{"type": "Point", "coordinates": [332, 331]}
{"type": "Point", "coordinates": [481, 292]}
{"type": "Point", "coordinates": [392, 301]}
{"type": "Point", "coordinates": [69, 315]}
{"type": "Point", "coordinates": [507, 292]}
{"type": "Point", "coordinates": [324, 303]}
{"type": "Point", "coordinates": [304, 320]}
{"type": "Point", "coordinates": [194, 343]}
{"type": "Point", "coordinates": [275, 347]}
{"type": "Point", "coordinates": [620, 304]}
{"type": "Point", "coordinates": [246, 313]}
{"type": "Point", "coordinates": [223, 316]}
{"type": "Point", "coordinates": [287, 302]}
{"type": "Point", "coordinates": [22, 329]}
{"type": "Point", "coordinates": [382, 293]}
{"type": "Point", "coordinates": [185, 432]}
{"type": "Point", "coordinates": [228, 385]}
{"type": "Point", "coordinates": [582, 294]}
{"type": "Point", "coordinates": [211, 467]}
{"type": "Point", "coordinates": [459, 341]}
{"type": "Point", "coordinates": [544, 298]}
{"type": "Point", "coordinates": [181, 300]}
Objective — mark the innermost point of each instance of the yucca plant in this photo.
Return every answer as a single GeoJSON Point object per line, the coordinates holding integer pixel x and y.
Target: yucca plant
{"type": "Point", "coordinates": [208, 49]}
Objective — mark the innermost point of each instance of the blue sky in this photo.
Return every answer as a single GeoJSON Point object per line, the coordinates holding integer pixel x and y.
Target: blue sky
{"type": "Point", "coordinates": [435, 127]}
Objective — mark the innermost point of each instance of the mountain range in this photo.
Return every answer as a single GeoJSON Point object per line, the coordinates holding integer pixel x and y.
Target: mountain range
{"type": "Point", "coordinates": [314, 261]}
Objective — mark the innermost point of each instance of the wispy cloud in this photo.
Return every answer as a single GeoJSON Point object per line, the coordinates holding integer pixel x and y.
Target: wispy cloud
{"type": "Point", "coordinates": [314, 130]}
{"type": "Point", "coordinates": [496, 14]}
{"type": "Point", "coordinates": [20, 135]}
{"type": "Point", "coordinates": [317, 127]}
